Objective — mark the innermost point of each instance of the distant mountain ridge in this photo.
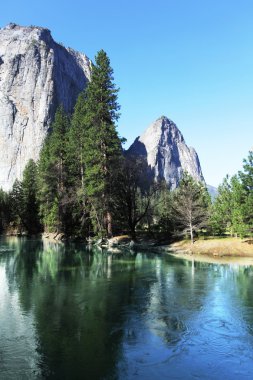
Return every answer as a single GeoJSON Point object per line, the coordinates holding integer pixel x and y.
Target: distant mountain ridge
{"type": "Point", "coordinates": [163, 146]}
{"type": "Point", "coordinates": [213, 191]}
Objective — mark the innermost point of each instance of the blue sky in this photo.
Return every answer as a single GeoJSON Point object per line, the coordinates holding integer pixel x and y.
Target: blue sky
{"type": "Point", "coordinates": [191, 60]}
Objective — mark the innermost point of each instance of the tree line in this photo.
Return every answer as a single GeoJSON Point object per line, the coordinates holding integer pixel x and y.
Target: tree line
{"type": "Point", "coordinates": [84, 185]}
{"type": "Point", "coordinates": [232, 210]}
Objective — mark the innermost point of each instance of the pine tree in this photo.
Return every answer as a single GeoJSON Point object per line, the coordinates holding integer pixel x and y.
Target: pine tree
{"type": "Point", "coordinates": [76, 137]}
{"type": "Point", "coordinates": [53, 176]}
{"type": "Point", "coordinates": [17, 206]}
{"type": "Point", "coordinates": [30, 203]}
{"type": "Point", "coordinates": [5, 210]}
{"type": "Point", "coordinates": [228, 209]}
{"type": "Point", "coordinates": [238, 197]}
{"type": "Point", "coordinates": [23, 201]}
{"type": "Point", "coordinates": [164, 211]}
{"type": "Point", "coordinates": [246, 177]}
{"type": "Point", "coordinates": [79, 222]}
{"type": "Point", "coordinates": [221, 212]}
{"type": "Point", "coordinates": [102, 145]}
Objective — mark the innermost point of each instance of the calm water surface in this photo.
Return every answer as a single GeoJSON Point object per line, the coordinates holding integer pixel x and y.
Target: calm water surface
{"type": "Point", "coordinates": [70, 313]}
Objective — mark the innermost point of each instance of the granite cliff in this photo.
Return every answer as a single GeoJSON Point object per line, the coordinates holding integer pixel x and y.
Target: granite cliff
{"type": "Point", "coordinates": [36, 75]}
{"type": "Point", "coordinates": [164, 149]}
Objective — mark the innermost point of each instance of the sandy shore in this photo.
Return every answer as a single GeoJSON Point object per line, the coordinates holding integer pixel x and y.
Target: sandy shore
{"type": "Point", "coordinates": [223, 251]}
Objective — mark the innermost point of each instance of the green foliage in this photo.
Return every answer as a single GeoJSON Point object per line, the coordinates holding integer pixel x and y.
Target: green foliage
{"type": "Point", "coordinates": [246, 177]}
{"type": "Point", "coordinates": [164, 211]}
{"type": "Point", "coordinates": [30, 203]}
{"type": "Point", "coordinates": [221, 209]}
{"type": "Point", "coordinates": [24, 203]}
{"type": "Point", "coordinates": [102, 145]}
{"type": "Point", "coordinates": [84, 186]}
{"type": "Point", "coordinates": [80, 159]}
{"type": "Point", "coordinates": [76, 136]}
{"type": "Point", "coordinates": [134, 196]}
{"type": "Point", "coordinates": [5, 210]}
{"type": "Point", "coordinates": [238, 197]}
{"type": "Point", "coordinates": [16, 203]}
{"type": "Point", "coordinates": [232, 210]}
{"type": "Point", "coordinates": [53, 175]}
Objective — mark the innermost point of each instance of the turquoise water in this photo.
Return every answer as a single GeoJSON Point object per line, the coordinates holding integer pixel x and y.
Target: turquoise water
{"type": "Point", "coordinates": [70, 313]}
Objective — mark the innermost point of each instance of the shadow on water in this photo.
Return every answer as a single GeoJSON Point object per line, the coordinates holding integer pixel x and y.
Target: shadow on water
{"type": "Point", "coordinates": [96, 315]}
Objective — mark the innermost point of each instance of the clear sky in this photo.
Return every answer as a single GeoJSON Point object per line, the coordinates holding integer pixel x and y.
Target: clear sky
{"type": "Point", "coordinates": [191, 60]}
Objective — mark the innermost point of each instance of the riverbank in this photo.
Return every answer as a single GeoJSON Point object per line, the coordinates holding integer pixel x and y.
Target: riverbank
{"type": "Point", "coordinates": [211, 250]}
{"type": "Point", "coordinates": [217, 250]}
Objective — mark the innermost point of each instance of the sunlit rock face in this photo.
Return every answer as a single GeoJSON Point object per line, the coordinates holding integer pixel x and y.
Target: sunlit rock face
{"type": "Point", "coordinates": [36, 75]}
{"type": "Point", "coordinates": [163, 147]}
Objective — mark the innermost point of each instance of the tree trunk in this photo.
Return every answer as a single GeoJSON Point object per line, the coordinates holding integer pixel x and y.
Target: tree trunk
{"type": "Point", "coordinates": [133, 234]}
{"type": "Point", "coordinates": [109, 224]}
{"type": "Point", "coordinates": [191, 233]}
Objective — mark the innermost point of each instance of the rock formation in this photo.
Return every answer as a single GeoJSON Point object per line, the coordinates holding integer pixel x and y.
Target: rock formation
{"type": "Point", "coordinates": [36, 75]}
{"type": "Point", "coordinates": [163, 147]}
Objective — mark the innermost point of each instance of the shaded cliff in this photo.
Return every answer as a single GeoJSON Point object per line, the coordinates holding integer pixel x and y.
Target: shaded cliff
{"type": "Point", "coordinates": [36, 75]}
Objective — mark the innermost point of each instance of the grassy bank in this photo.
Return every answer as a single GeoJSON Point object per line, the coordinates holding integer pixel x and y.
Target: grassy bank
{"type": "Point", "coordinates": [229, 248]}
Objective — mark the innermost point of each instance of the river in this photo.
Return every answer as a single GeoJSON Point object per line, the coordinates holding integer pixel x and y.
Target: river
{"type": "Point", "coordinates": [67, 312]}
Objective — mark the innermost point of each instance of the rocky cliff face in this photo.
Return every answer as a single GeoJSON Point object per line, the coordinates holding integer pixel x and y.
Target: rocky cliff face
{"type": "Point", "coordinates": [163, 147]}
{"type": "Point", "coordinates": [36, 75]}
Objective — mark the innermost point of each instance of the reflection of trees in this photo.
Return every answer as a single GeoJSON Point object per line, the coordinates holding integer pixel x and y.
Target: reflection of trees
{"type": "Point", "coordinates": [244, 282]}
{"type": "Point", "coordinates": [75, 306]}
{"type": "Point", "coordinates": [20, 265]}
{"type": "Point", "coordinates": [88, 305]}
{"type": "Point", "coordinates": [244, 277]}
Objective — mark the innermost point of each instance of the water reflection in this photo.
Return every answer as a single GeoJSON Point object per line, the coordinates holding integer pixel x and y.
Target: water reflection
{"type": "Point", "coordinates": [68, 312]}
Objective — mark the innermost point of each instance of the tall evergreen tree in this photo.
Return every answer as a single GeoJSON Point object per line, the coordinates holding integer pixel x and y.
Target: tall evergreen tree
{"type": "Point", "coordinates": [79, 210]}
{"type": "Point", "coordinates": [17, 206]}
{"type": "Point", "coordinates": [76, 137]}
{"type": "Point", "coordinates": [30, 203]}
{"type": "Point", "coordinates": [239, 225]}
{"type": "Point", "coordinates": [53, 175]}
{"type": "Point", "coordinates": [5, 210]}
{"type": "Point", "coordinates": [246, 177]}
{"type": "Point", "coordinates": [102, 144]}
{"type": "Point", "coordinates": [24, 203]}
{"type": "Point", "coordinates": [221, 212]}
{"type": "Point", "coordinates": [164, 211]}
{"type": "Point", "coordinates": [228, 209]}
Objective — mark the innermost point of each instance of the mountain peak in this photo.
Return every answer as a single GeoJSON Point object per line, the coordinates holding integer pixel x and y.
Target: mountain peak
{"type": "Point", "coordinates": [164, 118]}
{"type": "Point", "coordinates": [167, 155]}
